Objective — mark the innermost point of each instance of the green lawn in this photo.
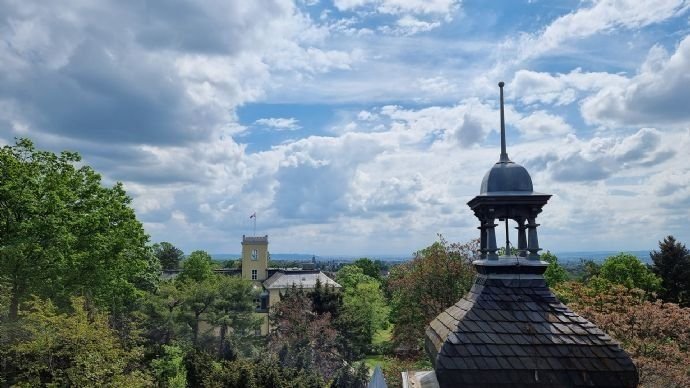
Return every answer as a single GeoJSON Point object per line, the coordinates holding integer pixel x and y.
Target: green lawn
{"type": "Point", "coordinates": [373, 360]}
{"type": "Point", "coordinates": [383, 335]}
{"type": "Point", "coordinates": [380, 337]}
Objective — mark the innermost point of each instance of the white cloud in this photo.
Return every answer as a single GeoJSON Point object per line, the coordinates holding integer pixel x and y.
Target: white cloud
{"type": "Point", "coordinates": [409, 25]}
{"type": "Point", "coordinates": [395, 7]}
{"type": "Point", "coordinates": [279, 124]}
{"type": "Point", "coordinates": [603, 16]}
{"type": "Point", "coordinates": [575, 160]}
{"type": "Point", "coordinates": [559, 89]}
{"type": "Point", "coordinates": [542, 124]}
{"type": "Point", "coordinates": [657, 94]}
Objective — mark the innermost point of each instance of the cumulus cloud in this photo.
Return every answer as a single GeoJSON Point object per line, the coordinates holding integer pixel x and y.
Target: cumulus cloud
{"type": "Point", "coordinates": [532, 87]}
{"type": "Point", "coordinates": [601, 17]}
{"type": "Point", "coordinates": [279, 123]}
{"type": "Point", "coordinates": [542, 124]}
{"type": "Point", "coordinates": [401, 6]}
{"type": "Point", "coordinates": [657, 94]}
{"type": "Point", "coordinates": [412, 16]}
{"type": "Point", "coordinates": [601, 157]}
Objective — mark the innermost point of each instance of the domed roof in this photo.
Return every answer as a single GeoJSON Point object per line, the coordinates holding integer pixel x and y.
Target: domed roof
{"type": "Point", "coordinates": [506, 176]}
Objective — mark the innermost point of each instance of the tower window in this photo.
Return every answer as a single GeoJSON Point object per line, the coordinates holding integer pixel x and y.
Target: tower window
{"type": "Point", "coordinates": [255, 274]}
{"type": "Point", "coordinates": [255, 254]}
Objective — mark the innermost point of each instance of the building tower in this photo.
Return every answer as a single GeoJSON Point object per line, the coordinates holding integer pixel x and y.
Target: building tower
{"type": "Point", "coordinates": [255, 258]}
{"type": "Point", "coordinates": [510, 330]}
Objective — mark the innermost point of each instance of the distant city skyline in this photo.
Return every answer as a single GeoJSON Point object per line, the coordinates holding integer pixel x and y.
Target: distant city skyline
{"type": "Point", "coordinates": [355, 127]}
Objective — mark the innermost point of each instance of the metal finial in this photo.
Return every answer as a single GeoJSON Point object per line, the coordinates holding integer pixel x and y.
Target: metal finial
{"type": "Point", "coordinates": [504, 155]}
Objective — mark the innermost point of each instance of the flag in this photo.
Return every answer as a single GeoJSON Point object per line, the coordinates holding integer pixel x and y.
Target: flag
{"type": "Point", "coordinates": [252, 216]}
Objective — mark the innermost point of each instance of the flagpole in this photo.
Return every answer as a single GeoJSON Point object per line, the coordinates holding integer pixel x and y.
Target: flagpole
{"type": "Point", "coordinates": [254, 224]}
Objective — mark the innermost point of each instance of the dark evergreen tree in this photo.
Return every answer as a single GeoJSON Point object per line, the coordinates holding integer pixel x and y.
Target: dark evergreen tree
{"type": "Point", "coordinates": [672, 265]}
{"type": "Point", "coordinates": [370, 268]}
{"type": "Point", "coordinates": [168, 255]}
{"type": "Point", "coordinates": [351, 376]}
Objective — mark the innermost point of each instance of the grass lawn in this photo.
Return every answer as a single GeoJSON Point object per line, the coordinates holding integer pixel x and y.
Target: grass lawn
{"type": "Point", "coordinates": [373, 360]}
{"type": "Point", "coordinates": [383, 335]}
{"type": "Point", "coordinates": [380, 337]}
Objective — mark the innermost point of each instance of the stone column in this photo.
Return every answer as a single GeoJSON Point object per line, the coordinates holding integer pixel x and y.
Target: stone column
{"type": "Point", "coordinates": [522, 236]}
{"type": "Point", "coordinates": [491, 247]}
{"type": "Point", "coordinates": [532, 239]}
{"type": "Point", "coordinates": [482, 239]}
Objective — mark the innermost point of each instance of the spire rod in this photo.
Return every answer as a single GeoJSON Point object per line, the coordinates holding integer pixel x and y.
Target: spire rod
{"type": "Point", "coordinates": [504, 155]}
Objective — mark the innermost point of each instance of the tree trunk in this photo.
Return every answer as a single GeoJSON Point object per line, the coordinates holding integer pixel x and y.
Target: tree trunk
{"type": "Point", "coordinates": [221, 347]}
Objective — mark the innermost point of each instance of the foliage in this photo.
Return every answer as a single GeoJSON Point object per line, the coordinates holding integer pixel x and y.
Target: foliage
{"type": "Point", "coordinates": [654, 333]}
{"type": "Point", "coordinates": [672, 265]}
{"type": "Point", "coordinates": [435, 279]}
{"type": "Point", "coordinates": [393, 367]}
{"type": "Point", "coordinates": [326, 299]}
{"type": "Point", "coordinates": [364, 310]}
{"type": "Point", "coordinates": [554, 274]}
{"type": "Point", "coordinates": [62, 233]}
{"type": "Point", "coordinates": [627, 270]}
{"type": "Point", "coordinates": [351, 376]}
{"type": "Point", "coordinates": [233, 313]}
{"type": "Point", "coordinates": [197, 267]}
{"type": "Point", "coordinates": [369, 268]}
{"type": "Point", "coordinates": [169, 369]}
{"type": "Point", "coordinates": [263, 371]}
{"type": "Point", "coordinates": [70, 349]}
{"type": "Point", "coordinates": [168, 255]}
{"type": "Point", "coordinates": [303, 339]}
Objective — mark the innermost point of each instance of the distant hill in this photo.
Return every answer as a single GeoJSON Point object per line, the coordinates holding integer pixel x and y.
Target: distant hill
{"type": "Point", "coordinates": [598, 256]}
{"type": "Point", "coordinates": [564, 257]}
{"type": "Point", "coordinates": [308, 256]}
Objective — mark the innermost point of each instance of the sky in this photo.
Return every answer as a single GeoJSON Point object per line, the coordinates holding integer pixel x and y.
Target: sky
{"type": "Point", "coordinates": [361, 127]}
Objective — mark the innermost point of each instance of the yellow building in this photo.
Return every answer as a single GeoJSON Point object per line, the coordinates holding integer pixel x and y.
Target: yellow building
{"type": "Point", "coordinates": [274, 281]}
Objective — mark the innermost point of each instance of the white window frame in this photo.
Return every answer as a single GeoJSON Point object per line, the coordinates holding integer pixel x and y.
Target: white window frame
{"type": "Point", "coordinates": [255, 274]}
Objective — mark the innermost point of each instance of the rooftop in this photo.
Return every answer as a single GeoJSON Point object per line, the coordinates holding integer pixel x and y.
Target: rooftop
{"type": "Point", "coordinates": [510, 329]}
{"type": "Point", "coordinates": [299, 278]}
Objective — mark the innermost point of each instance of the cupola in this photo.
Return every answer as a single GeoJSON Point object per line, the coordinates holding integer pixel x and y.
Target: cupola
{"type": "Point", "coordinates": [510, 330]}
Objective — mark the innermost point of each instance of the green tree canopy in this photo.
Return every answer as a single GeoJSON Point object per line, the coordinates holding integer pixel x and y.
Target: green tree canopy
{"type": "Point", "coordinates": [627, 270]}
{"type": "Point", "coordinates": [435, 279]}
{"type": "Point", "coordinates": [71, 349]}
{"type": "Point", "coordinates": [672, 265]}
{"type": "Point", "coordinates": [554, 274]}
{"type": "Point", "coordinates": [62, 233]}
{"type": "Point", "coordinates": [370, 268]}
{"type": "Point", "coordinates": [168, 255]}
{"type": "Point", "coordinates": [197, 267]}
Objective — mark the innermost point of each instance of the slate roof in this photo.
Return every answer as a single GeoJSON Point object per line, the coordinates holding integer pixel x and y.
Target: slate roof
{"type": "Point", "coordinates": [305, 279]}
{"type": "Point", "coordinates": [510, 330]}
{"type": "Point", "coordinates": [377, 380]}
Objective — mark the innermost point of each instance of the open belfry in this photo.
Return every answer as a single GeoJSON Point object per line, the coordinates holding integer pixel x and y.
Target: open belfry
{"type": "Point", "coordinates": [510, 330]}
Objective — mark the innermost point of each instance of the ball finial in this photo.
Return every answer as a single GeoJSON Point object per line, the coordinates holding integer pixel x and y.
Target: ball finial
{"type": "Point", "coordinates": [500, 84]}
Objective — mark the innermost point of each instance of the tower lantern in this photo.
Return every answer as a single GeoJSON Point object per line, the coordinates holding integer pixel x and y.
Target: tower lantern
{"type": "Point", "coordinates": [510, 330]}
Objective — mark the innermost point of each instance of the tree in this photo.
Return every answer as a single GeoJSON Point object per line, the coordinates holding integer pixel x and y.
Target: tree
{"type": "Point", "coordinates": [672, 265]}
{"type": "Point", "coordinates": [370, 268]}
{"type": "Point", "coordinates": [554, 273]}
{"type": "Point", "coordinates": [197, 267]}
{"type": "Point", "coordinates": [627, 270]}
{"type": "Point", "coordinates": [168, 255]}
{"type": "Point", "coordinates": [169, 368]}
{"type": "Point", "coordinates": [303, 339]}
{"type": "Point", "coordinates": [364, 310]}
{"type": "Point", "coordinates": [71, 349]}
{"type": "Point", "coordinates": [62, 233]}
{"type": "Point", "coordinates": [655, 334]}
{"type": "Point", "coordinates": [435, 279]}
{"type": "Point", "coordinates": [197, 299]}
{"type": "Point", "coordinates": [233, 313]}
